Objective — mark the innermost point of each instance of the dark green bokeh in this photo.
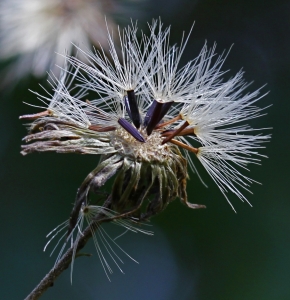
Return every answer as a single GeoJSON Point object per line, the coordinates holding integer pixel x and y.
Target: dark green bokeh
{"type": "Point", "coordinates": [206, 254]}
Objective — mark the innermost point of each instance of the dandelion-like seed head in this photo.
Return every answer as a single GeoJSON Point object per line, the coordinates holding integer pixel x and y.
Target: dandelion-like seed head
{"type": "Point", "coordinates": [145, 106]}
{"type": "Point", "coordinates": [149, 119]}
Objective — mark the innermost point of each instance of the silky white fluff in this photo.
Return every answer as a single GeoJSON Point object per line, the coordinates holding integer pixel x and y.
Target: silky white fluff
{"type": "Point", "coordinates": [216, 111]}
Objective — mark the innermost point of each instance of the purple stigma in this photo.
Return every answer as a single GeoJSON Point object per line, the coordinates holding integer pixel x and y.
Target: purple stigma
{"type": "Point", "coordinates": [132, 130]}
{"type": "Point", "coordinates": [133, 108]}
{"type": "Point", "coordinates": [155, 113]}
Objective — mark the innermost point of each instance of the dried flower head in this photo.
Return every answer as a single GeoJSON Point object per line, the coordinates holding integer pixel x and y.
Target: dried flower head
{"type": "Point", "coordinates": [149, 118]}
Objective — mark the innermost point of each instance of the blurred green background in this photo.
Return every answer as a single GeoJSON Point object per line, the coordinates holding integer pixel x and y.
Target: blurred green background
{"type": "Point", "coordinates": [203, 254]}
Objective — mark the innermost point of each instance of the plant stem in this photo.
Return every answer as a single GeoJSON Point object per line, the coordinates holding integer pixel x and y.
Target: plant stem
{"type": "Point", "coordinates": [62, 265]}
{"type": "Point", "coordinates": [66, 259]}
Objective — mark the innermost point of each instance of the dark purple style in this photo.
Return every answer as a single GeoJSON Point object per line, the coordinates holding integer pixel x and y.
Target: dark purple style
{"type": "Point", "coordinates": [165, 108]}
{"type": "Point", "coordinates": [155, 114]}
{"type": "Point", "coordinates": [149, 113]}
{"type": "Point", "coordinates": [131, 129]}
{"type": "Point", "coordinates": [134, 110]}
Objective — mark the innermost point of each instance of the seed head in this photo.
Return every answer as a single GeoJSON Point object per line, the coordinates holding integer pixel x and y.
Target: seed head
{"type": "Point", "coordinates": [149, 119]}
{"type": "Point", "coordinates": [146, 106]}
